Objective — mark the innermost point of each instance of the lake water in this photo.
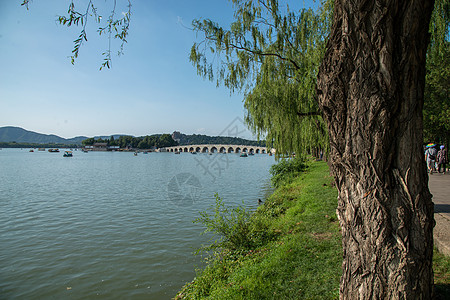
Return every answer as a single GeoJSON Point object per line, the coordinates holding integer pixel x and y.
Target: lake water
{"type": "Point", "coordinates": [111, 225]}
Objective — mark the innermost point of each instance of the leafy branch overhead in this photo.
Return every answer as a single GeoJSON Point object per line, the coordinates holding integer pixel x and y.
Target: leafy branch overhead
{"type": "Point", "coordinates": [272, 54]}
{"type": "Point", "coordinates": [113, 27]}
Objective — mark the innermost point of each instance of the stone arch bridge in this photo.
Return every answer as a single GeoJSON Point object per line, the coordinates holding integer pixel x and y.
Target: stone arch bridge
{"type": "Point", "coordinates": [218, 148]}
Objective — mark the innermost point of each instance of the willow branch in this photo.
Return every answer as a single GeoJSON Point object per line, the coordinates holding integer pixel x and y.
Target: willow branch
{"type": "Point", "coordinates": [266, 54]}
{"type": "Point", "coordinates": [309, 114]}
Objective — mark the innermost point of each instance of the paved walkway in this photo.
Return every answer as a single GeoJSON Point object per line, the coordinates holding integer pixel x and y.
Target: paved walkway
{"type": "Point", "coordinates": [439, 185]}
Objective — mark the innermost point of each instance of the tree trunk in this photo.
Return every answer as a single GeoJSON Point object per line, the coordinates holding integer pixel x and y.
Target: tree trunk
{"type": "Point", "coordinates": [370, 89]}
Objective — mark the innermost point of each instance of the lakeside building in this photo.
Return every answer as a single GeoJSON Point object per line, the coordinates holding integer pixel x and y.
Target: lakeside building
{"type": "Point", "coordinates": [101, 147]}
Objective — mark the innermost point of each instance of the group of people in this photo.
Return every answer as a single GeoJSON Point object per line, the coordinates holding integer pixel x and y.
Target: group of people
{"type": "Point", "coordinates": [436, 159]}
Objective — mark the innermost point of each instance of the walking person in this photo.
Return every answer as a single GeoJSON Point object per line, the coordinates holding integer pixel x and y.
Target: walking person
{"type": "Point", "coordinates": [430, 156]}
{"type": "Point", "coordinates": [442, 159]}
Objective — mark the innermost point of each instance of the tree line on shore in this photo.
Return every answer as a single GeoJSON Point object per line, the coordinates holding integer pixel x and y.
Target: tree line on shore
{"type": "Point", "coordinates": [167, 140]}
{"type": "Point", "coordinates": [142, 142]}
{"type": "Point", "coordinates": [201, 139]}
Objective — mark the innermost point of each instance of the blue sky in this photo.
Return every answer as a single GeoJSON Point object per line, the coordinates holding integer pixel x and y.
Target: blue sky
{"type": "Point", "coordinates": [152, 88]}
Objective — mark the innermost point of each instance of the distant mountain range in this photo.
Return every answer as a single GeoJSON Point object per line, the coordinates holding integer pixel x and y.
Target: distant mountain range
{"type": "Point", "coordinates": [10, 134]}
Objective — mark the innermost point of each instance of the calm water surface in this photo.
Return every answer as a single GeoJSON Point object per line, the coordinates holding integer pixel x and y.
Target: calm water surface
{"type": "Point", "coordinates": [112, 225]}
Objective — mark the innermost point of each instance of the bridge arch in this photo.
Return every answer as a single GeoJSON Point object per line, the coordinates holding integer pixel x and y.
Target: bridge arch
{"type": "Point", "coordinates": [218, 148]}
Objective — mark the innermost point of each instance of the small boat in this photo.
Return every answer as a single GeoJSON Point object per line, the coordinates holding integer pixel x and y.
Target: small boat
{"type": "Point", "coordinates": [67, 154]}
{"type": "Point", "coordinates": [251, 153]}
{"type": "Point", "coordinates": [31, 150]}
{"type": "Point", "coordinates": [53, 150]}
{"type": "Point", "coordinates": [135, 153]}
{"type": "Point", "coordinates": [244, 154]}
{"type": "Point", "coordinates": [194, 152]}
{"type": "Point", "coordinates": [41, 149]}
{"type": "Point", "coordinates": [177, 152]}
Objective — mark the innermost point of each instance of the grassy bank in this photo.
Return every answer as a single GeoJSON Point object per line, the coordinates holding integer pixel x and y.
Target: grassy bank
{"type": "Point", "coordinates": [441, 268]}
{"type": "Point", "coordinates": [290, 248]}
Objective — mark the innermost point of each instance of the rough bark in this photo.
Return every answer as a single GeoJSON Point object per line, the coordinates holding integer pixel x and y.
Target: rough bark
{"type": "Point", "coordinates": [370, 89]}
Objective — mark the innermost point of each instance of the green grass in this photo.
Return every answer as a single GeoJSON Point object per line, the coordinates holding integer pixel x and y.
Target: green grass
{"type": "Point", "coordinates": [441, 268]}
{"type": "Point", "coordinates": [292, 247]}
{"type": "Point", "coordinates": [297, 253]}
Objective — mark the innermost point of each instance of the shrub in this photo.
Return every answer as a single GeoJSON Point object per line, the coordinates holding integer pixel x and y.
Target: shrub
{"type": "Point", "coordinates": [230, 224]}
{"type": "Point", "coordinates": [286, 170]}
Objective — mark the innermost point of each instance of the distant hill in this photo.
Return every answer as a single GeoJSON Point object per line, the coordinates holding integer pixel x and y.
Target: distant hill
{"type": "Point", "coordinates": [20, 135]}
{"type": "Point", "coordinates": [10, 134]}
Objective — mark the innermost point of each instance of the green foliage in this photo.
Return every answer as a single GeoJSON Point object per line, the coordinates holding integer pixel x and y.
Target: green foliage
{"type": "Point", "coordinates": [147, 142]}
{"type": "Point", "coordinates": [300, 256]}
{"type": "Point", "coordinates": [112, 141]}
{"type": "Point", "coordinates": [436, 111]}
{"type": "Point", "coordinates": [439, 28]}
{"type": "Point", "coordinates": [230, 224]}
{"type": "Point", "coordinates": [165, 140]}
{"type": "Point", "coordinates": [88, 142]}
{"type": "Point", "coordinates": [286, 170]}
{"type": "Point", "coordinates": [441, 269]}
{"type": "Point", "coordinates": [437, 102]}
{"type": "Point", "coordinates": [273, 56]}
{"type": "Point", "coordinates": [115, 28]}
{"type": "Point", "coordinates": [200, 139]}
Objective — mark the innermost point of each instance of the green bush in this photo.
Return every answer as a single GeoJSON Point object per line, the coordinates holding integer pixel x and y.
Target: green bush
{"type": "Point", "coordinates": [229, 225]}
{"type": "Point", "coordinates": [232, 228]}
{"type": "Point", "coordinates": [286, 170]}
